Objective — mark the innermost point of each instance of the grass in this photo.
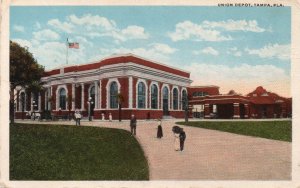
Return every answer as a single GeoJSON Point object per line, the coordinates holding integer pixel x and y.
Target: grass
{"type": "Point", "coordinates": [276, 130]}
{"type": "Point", "coordinates": [51, 152]}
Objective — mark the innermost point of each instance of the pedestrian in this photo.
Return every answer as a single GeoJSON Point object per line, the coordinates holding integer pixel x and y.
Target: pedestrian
{"type": "Point", "coordinates": [77, 117]}
{"type": "Point", "coordinates": [182, 137]}
{"type": "Point", "coordinates": [110, 117]}
{"type": "Point", "coordinates": [102, 116]}
{"type": "Point", "coordinates": [159, 129]}
{"type": "Point", "coordinates": [133, 125]}
{"type": "Point", "coordinates": [176, 141]}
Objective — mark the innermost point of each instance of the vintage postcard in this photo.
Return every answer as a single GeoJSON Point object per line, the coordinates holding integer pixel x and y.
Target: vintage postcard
{"type": "Point", "coordinates": [150, 94]}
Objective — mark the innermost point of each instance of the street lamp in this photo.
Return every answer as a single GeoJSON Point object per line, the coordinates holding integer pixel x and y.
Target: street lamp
{"type": "Point", "coordinates": [33, 107]}
{"type": "Point", "coordinates": [90, 103]}
{"type": "Point", "coordinates": [186, 108]}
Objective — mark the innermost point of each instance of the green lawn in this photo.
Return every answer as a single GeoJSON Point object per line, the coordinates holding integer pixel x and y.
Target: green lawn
{"type": "Point", "coordinates": [50, 152]}
{"type": "Point", "coordinates": [277, 130]}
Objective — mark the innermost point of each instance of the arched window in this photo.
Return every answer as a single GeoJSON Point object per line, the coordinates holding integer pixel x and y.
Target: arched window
{"type": "Point", "coordinates": [141, 95]}
{"type": "Point", "coordinates": [114, 95]}
{"type": "Point", "coordinates": [22, 102]}
{"type": "Point", "coordinates": [184, 99]}
{"type": "Point", "coordinates": [62, 99]}
{"type": "Point", "coordinates": [165, 100]}
{"type": "Point", "coordinates": [154, 97]}
{"type": "Point", "coordinates": [175, 99]}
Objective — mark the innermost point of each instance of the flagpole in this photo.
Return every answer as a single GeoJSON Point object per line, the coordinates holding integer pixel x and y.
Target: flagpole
{"type": "Point", "coordinates": [67, 50]}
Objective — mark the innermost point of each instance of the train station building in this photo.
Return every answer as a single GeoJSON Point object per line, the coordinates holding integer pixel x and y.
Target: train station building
{"type": "Point", "coordinates": [148, 89]}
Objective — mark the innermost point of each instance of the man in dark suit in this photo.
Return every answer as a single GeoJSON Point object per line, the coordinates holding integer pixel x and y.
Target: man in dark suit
{"type": "Point", "coordinates": [182, 137]}
{"type": "Point", "coordinates": [133, 125]}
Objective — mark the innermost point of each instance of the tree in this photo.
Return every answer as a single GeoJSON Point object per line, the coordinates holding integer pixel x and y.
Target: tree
{"type": "Point", "coordinates": [120, 101]}
{"type": "Point", "coordinates": [25, 72]}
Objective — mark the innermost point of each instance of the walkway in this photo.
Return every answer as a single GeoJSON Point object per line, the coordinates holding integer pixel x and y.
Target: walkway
{"type": "Point", "coordinates": [208, 154]}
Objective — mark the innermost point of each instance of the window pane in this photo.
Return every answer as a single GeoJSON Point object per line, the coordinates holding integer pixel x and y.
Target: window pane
{"type": "Point", "coordinates": [114, 95]}
{"type": "Point", "coordinates": [175, 99]}
{"type": "Point", "coordinates": [154, 97]}
{"type": "Point", "coordinates": [141, 95]}
{"type": "Point", "coordinates": [62, 99]}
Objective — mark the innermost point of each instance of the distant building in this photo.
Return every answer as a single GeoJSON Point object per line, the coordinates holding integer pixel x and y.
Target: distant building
{"type": "Point", "coordinates": [148, 89]}
{"type": "Point", "coordinates": [206, 102]}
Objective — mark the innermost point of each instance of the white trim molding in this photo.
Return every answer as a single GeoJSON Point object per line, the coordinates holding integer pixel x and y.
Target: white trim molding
{"type": "Point", "coordinates": [108, 91]}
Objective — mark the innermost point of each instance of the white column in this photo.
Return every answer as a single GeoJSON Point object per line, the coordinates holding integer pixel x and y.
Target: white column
{"type": "Point", "coordinates": [82, 96]}
{"type": "Point", "coordinates": [40, 103]}
{"type": "Point", "coordinates": [73, 97]}
{"type": "Point", "coordinates": [19, 102]}
{"type": "Point", "coordinates": [100, 94]}
{"type": "Point", "coordinates": [96, 94]}
{"type": "Point", "coordinates": [46, 99]}
{"type": "Point", "coordinates": [50, 95]}
{"type": "Point", "coordinates": [130, 92]}
{"type": "Point", "coordinates": [31, 100]}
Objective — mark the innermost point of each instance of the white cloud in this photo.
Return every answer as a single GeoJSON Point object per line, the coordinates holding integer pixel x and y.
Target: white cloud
{"type": "Point", "coordinates": [19, 28]}
{"type": "Point", "coordinates": [96, 26]}
{"type": "Point", "coordinates": [234, 51]}
{"type": "Point", "coordinates": [63, 26]}
{"type": "Point", "coordinates": [207, 50]}
{"type": "Point", "coordinates": [92, 20]}
{"type": "Point", "coordinates": [242, 78]}
{"type": "Point", "coordinates": [23, 43]}
{"type": "Point", "coordinates": [134, 31]}
{"type": "Point", "coordinates": [53, 54]}
{"type": "Point", "coordinates": [188, 30]}
{"type": "Point", "coordinates": [163, 48]}
{"type": "Point", "coordinates": [210, 31]}
{"type": "Point", "coordinates": [279, 51]}
{"type": "Point", "coordinates": [235, 25]}
{"type": "Point", "coordinates": [45, 35]}
{"type": "Point", "coordinates": [37, 25]}
{"type": "Point", "coordinates": [156, 51]}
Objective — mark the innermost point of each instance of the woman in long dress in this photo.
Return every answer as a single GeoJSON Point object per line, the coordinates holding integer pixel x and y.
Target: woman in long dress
{"type": "Point", "coordinates": [176, 141]}
{"type": "Point", "coordinates": [159, 129]}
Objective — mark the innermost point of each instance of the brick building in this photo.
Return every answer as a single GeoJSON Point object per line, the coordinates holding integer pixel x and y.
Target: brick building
{"type": "Point", "coordinates": [147, 89]}
{"type": "Point", "coordinates": [207, 102]}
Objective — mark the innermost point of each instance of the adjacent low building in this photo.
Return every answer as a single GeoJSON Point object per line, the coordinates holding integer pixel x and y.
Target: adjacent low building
{"type": "Point", "coordinates": [207, 102]}
{"type": "Point", "coordinates": [148, 89]}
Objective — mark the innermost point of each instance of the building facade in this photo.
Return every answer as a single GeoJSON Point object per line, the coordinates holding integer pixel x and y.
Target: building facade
{"type": "Point", "coordinates": [207, 102]}
{"type": "Point", "coordinates": [145, 88]}
{"type": "Point", "coordinates": [148, 89]}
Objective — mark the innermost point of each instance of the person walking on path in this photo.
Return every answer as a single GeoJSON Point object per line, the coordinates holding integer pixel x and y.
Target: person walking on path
{"type": "Point", "coordinates": [182, 137]}
{"type": "Point", "coordinates": [110, 117]}
{"type": "Point", "coordinates": [159, 129]}
{"type": "Point", "coordinates": [176, 141]}
{"type": "Point", "coordinates": [77, 117]}
{"type": "Point", "coordinates": [133, 125]}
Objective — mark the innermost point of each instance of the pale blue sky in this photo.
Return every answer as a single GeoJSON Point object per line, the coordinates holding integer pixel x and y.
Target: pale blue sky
{"type": "Point", "coordinates": [234, 47]}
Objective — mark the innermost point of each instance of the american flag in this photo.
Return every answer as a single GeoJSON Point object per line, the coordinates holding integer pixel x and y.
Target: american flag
{"type": "Point", "coordinates": [74, 45]}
